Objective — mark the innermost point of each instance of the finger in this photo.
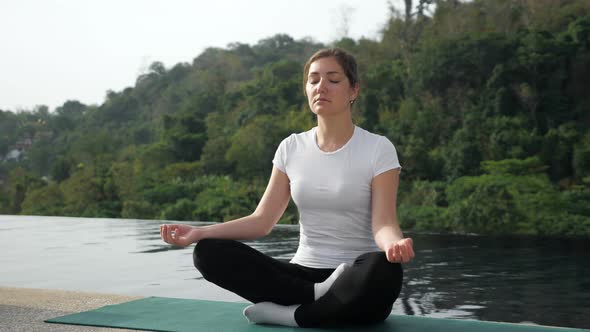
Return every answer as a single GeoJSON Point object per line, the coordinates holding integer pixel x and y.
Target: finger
{"type": "Point", "coordinates": [398, 253]}
{"type": "Point", "coordinates": [411, 252]}
{"type": "Point", "coordinates": [391, 255]}
{"type": "Point", "coordinates": [175, 234]}
{"type": "Point", "coordinates": [410, 248]}
{"type": "Point", "coordinates": [404, 253]}
{"type": "Point", "coordinates": [404, 249]}
{"type": "Point", "coordinates": [172, 234]}
{"type": "Point", "coordinates": [167, 234]}
{"type": "Point", "coordinates": [164, 233]}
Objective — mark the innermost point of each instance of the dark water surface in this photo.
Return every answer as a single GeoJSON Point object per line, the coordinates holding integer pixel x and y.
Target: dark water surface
{"type": "Point", "coordinates": [509, 279]}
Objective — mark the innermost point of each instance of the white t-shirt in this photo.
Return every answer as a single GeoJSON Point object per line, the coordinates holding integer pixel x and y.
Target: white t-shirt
{"type": "Point", "coordinates": [332, 191]}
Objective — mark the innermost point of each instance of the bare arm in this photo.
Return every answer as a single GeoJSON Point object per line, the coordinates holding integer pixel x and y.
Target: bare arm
{"type": "Point", "coordinates": [271, 207]}
{"type": "Point", "coordinates": [386, 230]}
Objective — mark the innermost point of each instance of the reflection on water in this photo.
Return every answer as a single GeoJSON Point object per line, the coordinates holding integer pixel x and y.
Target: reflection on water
{"type": "Point", "coordinates": [489, 278]}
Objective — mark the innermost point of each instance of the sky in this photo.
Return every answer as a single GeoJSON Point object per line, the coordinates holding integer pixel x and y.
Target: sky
{"type": "Point", "coordinates": [52, 51]}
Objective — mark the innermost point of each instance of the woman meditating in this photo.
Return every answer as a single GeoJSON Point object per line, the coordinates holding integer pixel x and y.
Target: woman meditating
{"type": "Point", "coordinates": [344, 180]}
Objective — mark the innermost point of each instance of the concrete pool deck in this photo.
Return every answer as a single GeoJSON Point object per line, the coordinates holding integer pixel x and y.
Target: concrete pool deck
{"type": "Point", "coordinates": [25, 309]}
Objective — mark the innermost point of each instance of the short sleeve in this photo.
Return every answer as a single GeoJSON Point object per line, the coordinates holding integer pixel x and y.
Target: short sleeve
{"type": "Point", "coordinates": [385, 157]}
{"type": "Point", "coordinates": [280, 158]}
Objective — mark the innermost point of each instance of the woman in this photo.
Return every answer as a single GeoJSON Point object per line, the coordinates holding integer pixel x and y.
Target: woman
{"type": "Point", "coordinates": [344, 181]}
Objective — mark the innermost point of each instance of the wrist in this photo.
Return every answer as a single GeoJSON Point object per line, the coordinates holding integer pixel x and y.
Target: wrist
{"type": "Point", "coordinates": [196, 234]}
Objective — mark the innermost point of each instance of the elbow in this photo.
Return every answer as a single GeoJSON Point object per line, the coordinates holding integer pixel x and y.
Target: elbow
{"type": "Point", "coordinates": [264, 225]}
{"type": "Point", "coordinates": [266, 231]}
{"type": "Point", "coordinates": [263, 231]}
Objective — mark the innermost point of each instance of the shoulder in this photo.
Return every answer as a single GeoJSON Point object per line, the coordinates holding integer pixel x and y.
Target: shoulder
{"type": "Point", "coordinates": [371, 139]}
{"type": "Point", "coordinates": [297, 139]}
{"type": "Point", "coordinates": [381, 150]}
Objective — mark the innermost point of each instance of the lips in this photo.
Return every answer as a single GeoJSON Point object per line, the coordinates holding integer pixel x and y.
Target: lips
{"type": "Point", "coordinates": [321, 99]}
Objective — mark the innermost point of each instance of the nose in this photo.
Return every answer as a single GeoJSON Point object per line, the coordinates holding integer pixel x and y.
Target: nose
{"type": "Point", "coordinates": [321, 86]}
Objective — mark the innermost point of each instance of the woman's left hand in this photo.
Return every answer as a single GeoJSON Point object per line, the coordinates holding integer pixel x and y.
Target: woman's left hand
{"type": "Point", "coordinates": [401, 251]}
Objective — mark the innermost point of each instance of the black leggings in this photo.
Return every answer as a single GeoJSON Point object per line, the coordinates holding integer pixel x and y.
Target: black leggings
{"type": "Point", "coordinates": [363, 294]}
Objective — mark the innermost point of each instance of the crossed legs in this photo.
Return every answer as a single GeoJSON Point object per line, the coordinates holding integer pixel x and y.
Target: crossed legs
{"type": "Point", "coordinates": [360, 293]}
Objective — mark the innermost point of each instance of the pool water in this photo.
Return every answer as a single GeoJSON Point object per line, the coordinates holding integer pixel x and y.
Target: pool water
{"type": "Point", "coordinates": [509, 279]}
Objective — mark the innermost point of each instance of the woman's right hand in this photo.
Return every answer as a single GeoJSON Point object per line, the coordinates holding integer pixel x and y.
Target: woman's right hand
{"type": "Point", "coordinates": [178, 234]}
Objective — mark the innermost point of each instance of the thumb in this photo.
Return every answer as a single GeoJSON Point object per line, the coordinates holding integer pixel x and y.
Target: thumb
{"type": "Point", "coordinates": [390, 254]}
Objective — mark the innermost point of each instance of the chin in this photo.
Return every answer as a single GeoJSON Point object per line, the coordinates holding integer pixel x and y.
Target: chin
{"type": "Point", "coordinates": [325, 112]}
{"type": "Point", "coordinates": [322, 110]}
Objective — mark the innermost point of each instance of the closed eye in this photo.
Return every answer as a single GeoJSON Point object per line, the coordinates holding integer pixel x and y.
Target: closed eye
{"type": "Point", "coordinates": [316, 82]}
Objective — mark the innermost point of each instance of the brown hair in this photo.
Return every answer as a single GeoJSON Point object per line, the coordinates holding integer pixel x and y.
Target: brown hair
{"type": "Point", "coordinates": [344, 59]}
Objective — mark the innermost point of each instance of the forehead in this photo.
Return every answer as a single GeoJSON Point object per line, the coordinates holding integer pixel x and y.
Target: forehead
{"type": "Point", "coordinates": [328, 65]}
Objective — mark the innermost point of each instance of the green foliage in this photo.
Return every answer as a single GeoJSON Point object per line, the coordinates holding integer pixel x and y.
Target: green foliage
{"type": "Point", "coordinates": [557, 151]}
{"type": "Point", "coordinates": [138, 210]}
{"type": "Point", "coordinates": [8, 131]}
{"type": "Point", "coordinates": [512, 200]}
{"type": "Point", "coordinates": [577, 201]}
{"type": "Point", "coordinates": [81, 193]}
{"type": "Point", "coordinates": [166, 193]}
{"type": "Point", "coordinates": [181, 210]}
{"type": "Point", "coordinates": [224, 199]}
{"type": "Point", "coordinates": [153, 157]}
{"type": "Point", "coordinates": [422, 218]}
{"type": "Point", "coordinates": [579, 32]}
{"type": "Point", "coordinates": [61, 169]}
{"type": "Point", "coordinates": [466, 61]}
{"type": "Point", "coordinates": [253, 146]}
{"type": "Point", "coordinates": [422, 207]}
{"type": "Point", "coordinates": [524, 167]}
{"type": "Point", "coordinates": [581, 157]}
{"type": "Point", "coordinates": [182, 171]}
{"type": "Point", "coordinates": [44, 201]}
{"type": "Point", "coordinates": [68, 115]}
{"type": "Point", "coordinates": [463, 154]}
{"type": "Point", "coordinates": [213, 157]}
{"type": "Point", "coordinates": [186, 136]}
{"type": "Point", "coordinates": [19, 183]}
{"type": "Point", "coordinates": [509, 138]}
{"type": "Point", "coordinates": [488, 204]}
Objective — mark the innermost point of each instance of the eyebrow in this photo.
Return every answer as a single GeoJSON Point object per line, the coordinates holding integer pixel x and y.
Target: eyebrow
{"type": "Point", "coordinates": [328, 73]}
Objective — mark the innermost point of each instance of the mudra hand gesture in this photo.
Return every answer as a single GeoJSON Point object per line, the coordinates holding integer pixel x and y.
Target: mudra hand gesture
{"type": "Point", "coordinates": [401, 251]}
{"type": "Point", "coordinates": [177, 234]}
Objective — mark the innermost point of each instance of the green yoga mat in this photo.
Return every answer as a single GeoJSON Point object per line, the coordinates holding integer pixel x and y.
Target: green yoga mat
{"type": "Point", "coordinates": [170, 314]}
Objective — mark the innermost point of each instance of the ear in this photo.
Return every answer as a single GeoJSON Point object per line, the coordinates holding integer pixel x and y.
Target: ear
{"type": "Point", "coordinates": [355, 91]}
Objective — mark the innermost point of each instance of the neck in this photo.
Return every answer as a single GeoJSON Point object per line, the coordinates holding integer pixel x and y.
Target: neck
{"type": "Point", "coordinates": [333, 133]}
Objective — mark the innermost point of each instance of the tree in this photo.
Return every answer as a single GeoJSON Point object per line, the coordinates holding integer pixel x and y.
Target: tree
{"type": "Point", "coordinates": [44, 201]}
{"type": "Point", "coordinates": [81, 194]}
{"type": "Point", "coordinates": [68, 115]}
{"type": "Point", "coordinates": [253, 147]}
{"type": "Point", "coordinates": [20, 182]}
{"type": "Point", "coordinates": [186, 135]}
{"type": "Point", "coordinates": [581, 157]}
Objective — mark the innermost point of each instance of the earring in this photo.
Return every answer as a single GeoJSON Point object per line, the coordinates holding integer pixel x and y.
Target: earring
{"type": "Point", "coordinates": [352, 102]}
